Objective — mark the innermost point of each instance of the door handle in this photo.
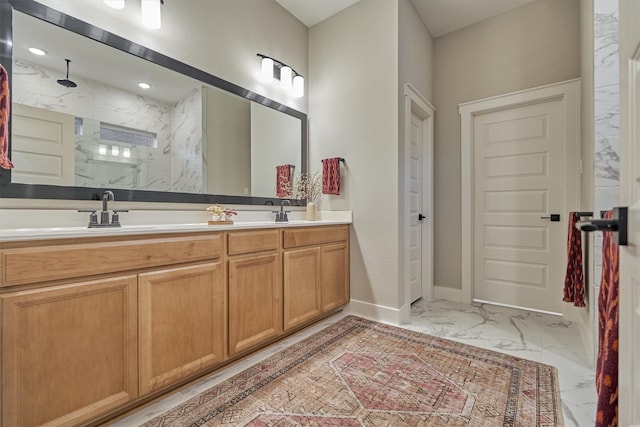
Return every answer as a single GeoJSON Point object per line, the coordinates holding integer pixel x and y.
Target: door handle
{"type": "Point", "coordinates": [421, 217]}
{"type": "Point", "coordinates": [552, 217]}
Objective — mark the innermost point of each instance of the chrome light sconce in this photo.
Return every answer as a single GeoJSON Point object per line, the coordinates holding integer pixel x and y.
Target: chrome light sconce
{"type": "Point", "coordinates": [290, 80]}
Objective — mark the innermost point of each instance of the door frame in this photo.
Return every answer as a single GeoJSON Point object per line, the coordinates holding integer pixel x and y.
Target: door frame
{"type": "Point", "coordinates": [569, 93]}
{"type": "Point", "coordinates": [629, 317]}
{"type": "Point", "coordinates": [415, 102]}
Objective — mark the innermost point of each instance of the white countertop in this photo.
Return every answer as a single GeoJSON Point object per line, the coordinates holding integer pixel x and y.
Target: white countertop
{"type": "Point", "coordinates": [44, 233]}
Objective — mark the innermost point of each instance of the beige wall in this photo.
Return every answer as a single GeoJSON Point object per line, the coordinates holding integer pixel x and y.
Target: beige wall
{"type": "Point", "coordinates": [530, 46]}
{"type": "Point", "coordinates": [353, 113]}
{"type": "Point", "coordinates": [221, 37]}
{"type": "Point", "coordinates": [415, 66]}
{"type": "Point", "coordinates": [227, 135]}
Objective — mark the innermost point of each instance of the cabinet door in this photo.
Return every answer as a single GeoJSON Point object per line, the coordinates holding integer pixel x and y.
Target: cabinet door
{"type": "Point", "coordinates": [302, 290]}
{"type": "Point", "coordinates": [255, 301]}
{"type": "Point", "coordinates": [335, 276]}
{"type": "Point", "coordinates": [68, 352]}
{"type": "Point", "coordinates": [181, 324]}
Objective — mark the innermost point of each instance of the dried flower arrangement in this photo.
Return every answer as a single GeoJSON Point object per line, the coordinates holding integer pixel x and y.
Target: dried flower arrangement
{"type": "Point", "coordinates": [221, 211]}
{"type": "Point", "coordinates": [307, 186]}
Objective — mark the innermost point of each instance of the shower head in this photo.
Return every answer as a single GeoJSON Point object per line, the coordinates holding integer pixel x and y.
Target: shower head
{"type": "Point", "coordinates": [66, 82]}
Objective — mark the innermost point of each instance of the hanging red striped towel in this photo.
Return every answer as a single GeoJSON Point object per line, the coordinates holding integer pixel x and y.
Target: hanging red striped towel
{"type": "Point", "coordinates": [574, 279]}
{"type": "Point", "coordinates": [331, 176]}
{"type": "Point", "coordinates": [608, 306]}
{"type": "Point", "coordinates": [5, 104]}
{"type": "Point", "coordinates": [283, 180]}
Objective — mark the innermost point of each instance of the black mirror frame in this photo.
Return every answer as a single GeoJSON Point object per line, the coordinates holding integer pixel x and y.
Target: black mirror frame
{"type": "Point", "coordinates": [37, 191]}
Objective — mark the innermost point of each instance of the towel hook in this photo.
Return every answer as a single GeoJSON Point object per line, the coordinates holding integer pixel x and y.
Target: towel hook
{"type": "Point", "coordinates": [617, 225]}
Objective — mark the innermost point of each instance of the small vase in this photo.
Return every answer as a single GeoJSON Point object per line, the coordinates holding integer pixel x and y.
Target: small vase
{"type": "Point", "coordinates": [216, 218]}
{"type": "Point", "coordinates": [311, 211]}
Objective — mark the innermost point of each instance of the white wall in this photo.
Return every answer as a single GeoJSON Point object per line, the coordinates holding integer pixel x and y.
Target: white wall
{"type": "Point", "coordinates": [353, 113]}
{"type": "Point", "coordinates": [533, 45]}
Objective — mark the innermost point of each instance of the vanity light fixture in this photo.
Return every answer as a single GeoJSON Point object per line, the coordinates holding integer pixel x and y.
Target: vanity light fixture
{"type": "Point", "coordinates": [116, 4]}
{"type": "Point", "coordinates": [126, 152]}
{"type": "Point", "coordinates": [288, 78]}
{"type": "Point", "coordinates": [115, 150]}
{"type": "Point", "coordinates": [102, 150]}
{"type": "Point", "coordinates": [266, 75]}
{"type": "Point", "coordinates": [144, 85]}
{"type": "Point", "coordinates": [37, 51]}
{"type": "Point", "coordinates": [150, 10]}
{"type": "Point", "coordinates": [298, 87]}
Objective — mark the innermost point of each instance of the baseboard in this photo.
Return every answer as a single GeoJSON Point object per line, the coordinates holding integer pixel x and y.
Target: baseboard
{"type": "Point", "coordinates": [449, 294]}
{"type": "Point", "coordinates": [375, 312]}
{"type": "Point", "coordinates": [581, 317]}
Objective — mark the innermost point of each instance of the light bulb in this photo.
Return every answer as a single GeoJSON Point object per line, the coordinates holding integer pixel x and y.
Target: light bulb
{"type": "Point", "coordinates": [266, 74]}
{"type": "Point", "coordinates": [144, 85]}
{"type": "Point", "coordinates": [115, 150]}
{"type": "Point", "coordinates": [126, 152]}
{"type": "Point", "coordinates": [150, 10]}
{"type": "Point", "coordinates": [286, 73]}
{"type": "Point", "coordinates": [298, 86]}
{"type": "Point", "coordinates": [116, 4]}
{"type": "Point", "coordinates": [37, 51]}
{"type": "Point", "coordinates": [102, 149]}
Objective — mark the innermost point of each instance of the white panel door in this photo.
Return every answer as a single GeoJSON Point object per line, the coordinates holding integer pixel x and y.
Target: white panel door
{"type": "Point", "coordinates": [519, 178]}
{"type": "Point", "coordinates": [629, 326]}
{"type": "Point", "coordinates": [42, 146]}
{"type": "Point", "coordinates": [415, 207]}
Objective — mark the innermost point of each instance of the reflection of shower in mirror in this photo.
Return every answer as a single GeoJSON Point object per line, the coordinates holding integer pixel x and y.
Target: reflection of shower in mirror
{"type": "Point", "coordinates": [66, 82]}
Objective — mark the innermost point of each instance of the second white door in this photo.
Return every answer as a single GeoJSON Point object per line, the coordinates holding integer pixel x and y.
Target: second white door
{"type": "Point", "coordinates": [519, 180]}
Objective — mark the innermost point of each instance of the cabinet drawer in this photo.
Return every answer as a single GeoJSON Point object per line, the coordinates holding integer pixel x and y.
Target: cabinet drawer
{"type": "Point", "coordinates": [252, 241]}
{"type": "Point", "coordinates": [314, 236]}
{"type": "Point", "coordinates": [39, 264]}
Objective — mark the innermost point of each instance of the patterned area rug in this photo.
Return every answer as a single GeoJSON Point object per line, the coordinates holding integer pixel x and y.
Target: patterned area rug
{"type": "Point", "coordinates": [362, 373]}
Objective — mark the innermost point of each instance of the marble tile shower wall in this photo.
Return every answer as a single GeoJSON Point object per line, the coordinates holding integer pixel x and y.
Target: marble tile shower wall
{"type": "Point", "coordinates": [165, 167]}
{"type": "Point", "coordinates": [607, 117]}
{"type": "Point", "coordinates": [187, 137]}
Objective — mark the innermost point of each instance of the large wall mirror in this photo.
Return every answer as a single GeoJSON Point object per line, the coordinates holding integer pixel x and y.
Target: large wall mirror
{"type": "Point", "coordinates": [84, 126]}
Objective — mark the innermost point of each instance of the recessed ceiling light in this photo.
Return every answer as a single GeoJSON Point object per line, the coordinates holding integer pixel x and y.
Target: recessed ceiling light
{"type": "Point", "coordinates": [144, 85]}
{"type": "Point", "coordinates": [37, 51]}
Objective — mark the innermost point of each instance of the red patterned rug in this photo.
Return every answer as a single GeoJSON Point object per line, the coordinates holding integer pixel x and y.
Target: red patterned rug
{"type": "Point", "coordinates": [362, 373]}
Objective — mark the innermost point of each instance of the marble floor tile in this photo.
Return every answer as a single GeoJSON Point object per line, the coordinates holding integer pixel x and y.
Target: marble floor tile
{"type": "Point", "coordinates": [539, 337]}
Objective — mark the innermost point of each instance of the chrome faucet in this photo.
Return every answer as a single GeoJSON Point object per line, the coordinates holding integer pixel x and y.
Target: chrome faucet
{"type": "Point", "coordinates": [282, 215]}
{"type": "Point", "coordinates": [104, 214]}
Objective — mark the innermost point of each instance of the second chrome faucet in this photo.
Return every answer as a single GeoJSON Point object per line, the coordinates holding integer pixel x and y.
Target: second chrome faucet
{"type": "Point", "coordinates": [281, 216]}
{"type": "Point", "coordinates": [104, 214]}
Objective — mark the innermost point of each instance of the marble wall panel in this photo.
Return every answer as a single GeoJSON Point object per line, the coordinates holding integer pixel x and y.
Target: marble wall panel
{"type": "Point", "coordinates": [186, 164]}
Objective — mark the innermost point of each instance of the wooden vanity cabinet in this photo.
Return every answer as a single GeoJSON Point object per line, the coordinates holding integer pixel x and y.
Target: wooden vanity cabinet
{"type": "Point", "coordinates": [335, 276]}
{"type": "Point", "coordinates": [91, 325]}
{"type": "Point", "coordinates": [69, 352]}
{"type": "Point", "coordinates": [254, 288]}
{"type": "Point", "coordinates": [316, 272]}
{"type": "Point", "coordinates": [79, 342]}
{"type": "Point", "coordinates": [181, 323]}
